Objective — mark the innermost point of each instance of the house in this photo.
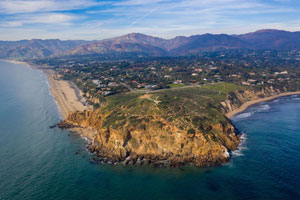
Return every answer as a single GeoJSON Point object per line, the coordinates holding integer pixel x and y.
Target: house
{"type": "Point", "coordinates": [151, 86]}
{"type": "Point", "coordinates": [281, 73]}
{"type": "Point", "coordinates": [177, 82]}
{"type": "Point", "coordinates": [113, 84]}
{"type": "Point", "coordinates": [252, 81]}
{"type": "Point", "coordinates": [199, 70]}
{"type": "Point", "coordinates": [96, 82]}
{"type": "Point", "coordinates": [245, 83]}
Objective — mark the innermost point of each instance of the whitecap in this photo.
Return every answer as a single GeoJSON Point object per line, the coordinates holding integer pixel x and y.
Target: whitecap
{"type": "Point", "coordinates": [263, 108]}
{"type": "Point", "coordinates": [237, 153]}
{"type": "Point", "coordinates": [242, 147]}
{"type": "Point", "coordinates": [243, 115]}
{"type": "Point", "coordinates": [85, 138]}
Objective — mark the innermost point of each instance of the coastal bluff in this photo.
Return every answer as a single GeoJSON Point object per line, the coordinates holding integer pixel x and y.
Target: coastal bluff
{"type": "Point", "coordinates": [167, 128]}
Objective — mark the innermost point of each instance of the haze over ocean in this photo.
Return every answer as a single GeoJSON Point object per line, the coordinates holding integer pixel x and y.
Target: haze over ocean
{"type": "Point", "coordinates": [37, 162]}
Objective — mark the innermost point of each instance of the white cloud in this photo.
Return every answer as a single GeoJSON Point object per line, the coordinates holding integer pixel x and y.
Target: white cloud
{"type": "Point", "coordinates": [30, 6]}
{"type": "Point", "coordinates": [139, 2]}
{"type": "Point", "coordinates": [44, 18]}
{"type": "Point", "coordinates": [165, 18]}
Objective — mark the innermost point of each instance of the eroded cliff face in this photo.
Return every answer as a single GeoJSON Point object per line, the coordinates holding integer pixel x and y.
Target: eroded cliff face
{"type": "Point", "coordinates": [156, 140]}
{"type": "Point", "coordinates": [238, 98]}
{"type": "Point", "coordinates": [172, 128]}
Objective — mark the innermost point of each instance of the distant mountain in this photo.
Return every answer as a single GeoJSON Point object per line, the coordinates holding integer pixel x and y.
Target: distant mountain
{"type": "Point", "coordinates": [134, 42]}
{"type": "Point", "coordinates": [208, 42]}
{"type": "Point", "coordinates": [141, 44]}
{"type": "Point", "coordinates": [272, 39]}
{"type": "Point", "coordinates": [37, 48]}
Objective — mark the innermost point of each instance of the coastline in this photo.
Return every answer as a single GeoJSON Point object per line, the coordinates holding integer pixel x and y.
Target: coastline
{"type": "Point", "coordinates": [17, 62]}
{"type": "Point", "coordinates": [68, 98]}
{"type": "Point", "coordinates": [247, 104]}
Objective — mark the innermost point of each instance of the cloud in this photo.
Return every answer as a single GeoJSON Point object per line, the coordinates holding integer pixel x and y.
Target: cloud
{"type": "Point", "coordinates": [45, 18]}
{"type": "Point", "coordinates": [30, 6]}
{"type": "Point", "coordinates": [99, 19]}
{"type": "Point", "coordinates": [139, 2]}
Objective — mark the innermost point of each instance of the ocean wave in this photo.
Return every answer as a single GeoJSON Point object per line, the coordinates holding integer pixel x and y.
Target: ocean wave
{"type": "Point", "coordinates": [85, 138]}
{"type": "Point", "coordinates": [262, 108]}
{"type": "Point", "coordinates": [243, 115]}
{"type": "Point", "coordinates": [242, 147]}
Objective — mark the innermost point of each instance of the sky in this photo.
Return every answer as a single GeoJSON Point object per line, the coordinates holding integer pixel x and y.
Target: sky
{"type": "Point", "coordinates": [101, 19]}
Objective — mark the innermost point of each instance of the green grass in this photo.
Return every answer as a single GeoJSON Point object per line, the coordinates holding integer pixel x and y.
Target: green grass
{"type": "Point", "coordinates": [141, 89]}
{"type": "Point", "coordinates": [191, 108]}
{"type": "Point", "coordinates": [224, 87]}
{"type": "Point", "coordinates": [176, 85]}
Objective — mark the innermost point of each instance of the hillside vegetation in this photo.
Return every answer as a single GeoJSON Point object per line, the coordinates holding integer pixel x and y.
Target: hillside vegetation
{"type": "Point", "coordinates": [176, 126]}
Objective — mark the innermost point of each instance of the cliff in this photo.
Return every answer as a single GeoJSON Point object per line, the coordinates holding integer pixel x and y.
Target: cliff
{"type": "Point", "coordinates": [172, 127]}
{"type": "Point", "coordinates": [236, 99]}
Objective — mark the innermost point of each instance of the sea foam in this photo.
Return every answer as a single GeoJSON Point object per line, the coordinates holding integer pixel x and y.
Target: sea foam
{"type": "Point", "coordinates": [262, 108]}
{"type": "Point", "coordinates": [243, 115]}
{"type": "Point", "coordinates": [241, 147]}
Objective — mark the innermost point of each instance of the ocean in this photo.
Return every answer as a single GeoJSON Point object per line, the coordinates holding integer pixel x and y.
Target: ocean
{"type": "Point", "coordinates": [37, 162]}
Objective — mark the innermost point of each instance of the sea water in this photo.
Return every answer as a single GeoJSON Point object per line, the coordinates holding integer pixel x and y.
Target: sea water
{"type": "Point", "coordinates": [37, 162]}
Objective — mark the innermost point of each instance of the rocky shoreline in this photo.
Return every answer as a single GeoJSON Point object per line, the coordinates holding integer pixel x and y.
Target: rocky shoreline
{"type": "Point", "coordinates": [113, 146]}
{"type": "Point", "coordinates": [105, 156]}
{"type": "Point", "coordinates": [103, 146]}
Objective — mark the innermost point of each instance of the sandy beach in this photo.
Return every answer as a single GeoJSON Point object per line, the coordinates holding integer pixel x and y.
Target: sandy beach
{"type": "Point", "coordinates": [16, 62]}
{"type": "Point", "coordinates": [67, 96]}
{"type": "Point", "coordinates": [250, 103]}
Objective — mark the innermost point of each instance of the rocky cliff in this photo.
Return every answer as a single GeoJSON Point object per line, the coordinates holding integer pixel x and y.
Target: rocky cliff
{"type": "Point", "coordinates": [186, 126]}
{"type": "Point", "coordinates": [175, 127]}
{"type": "Point", "coordinates": [238, 98]}
{"type": "Point", "coordinates": [157, 140]}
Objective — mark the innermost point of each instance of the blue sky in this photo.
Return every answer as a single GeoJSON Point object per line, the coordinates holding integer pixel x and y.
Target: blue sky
{"type": "Point", "coordinates": [96, 19]}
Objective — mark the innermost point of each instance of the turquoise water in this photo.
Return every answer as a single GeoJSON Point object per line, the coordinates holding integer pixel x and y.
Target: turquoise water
{"type": "Point", "coordinates": [39, 163]}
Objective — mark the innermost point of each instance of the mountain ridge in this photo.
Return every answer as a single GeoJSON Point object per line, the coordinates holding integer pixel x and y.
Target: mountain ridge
{"type": "Point", "coordinates": [183, 45]}
{"type": "Point", "coordinates": [153, 46]}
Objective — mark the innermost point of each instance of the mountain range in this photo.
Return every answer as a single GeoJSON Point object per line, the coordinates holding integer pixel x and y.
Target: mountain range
{"type": "Point", "coordinates": [153, 46]}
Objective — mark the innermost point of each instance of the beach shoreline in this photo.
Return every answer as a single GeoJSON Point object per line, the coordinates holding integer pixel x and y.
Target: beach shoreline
{"type": "Point", "coordinates": [247, 104]}
{"type": "Point", "coordinates": [66, 94]}
{"type": "Point", "coordinates": [17, 62]}
{"type": "Point", "coordinates": [68, 98]}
